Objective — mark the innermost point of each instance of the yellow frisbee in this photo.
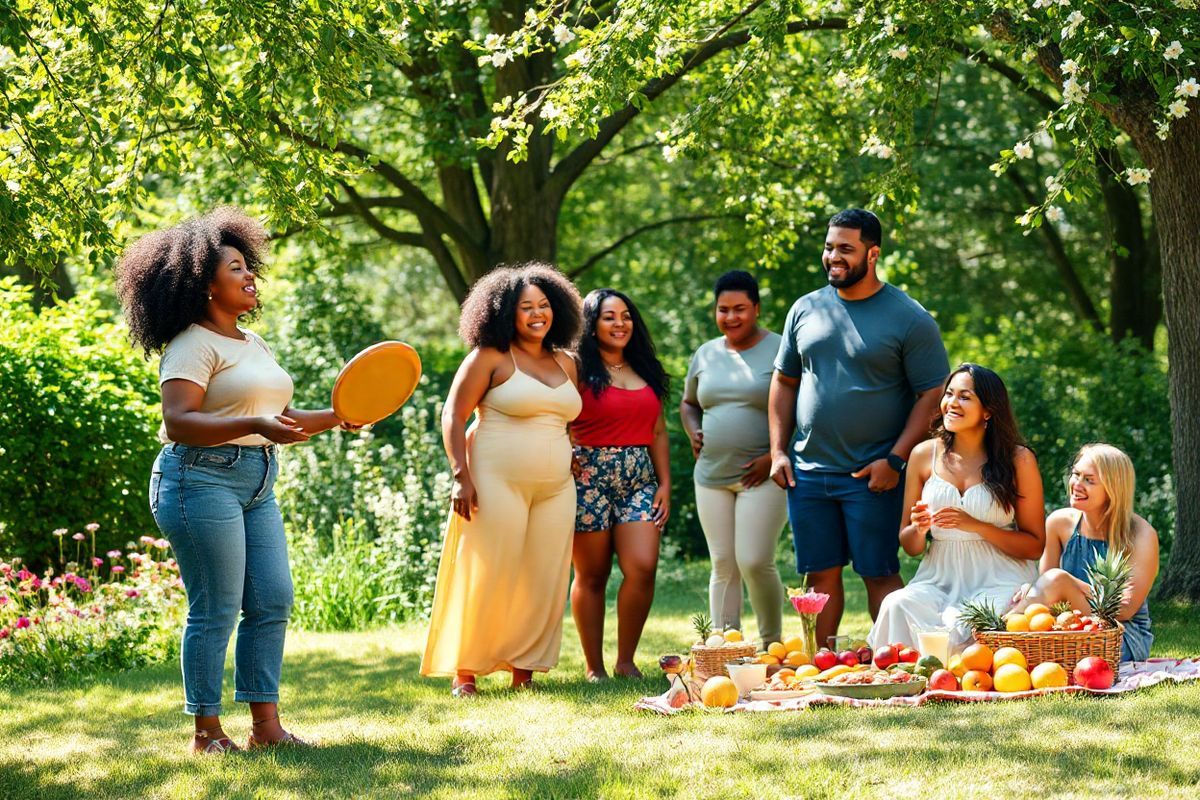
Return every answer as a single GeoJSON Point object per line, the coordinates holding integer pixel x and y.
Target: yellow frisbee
{"type": "Point", "coordinates": [376, 382]}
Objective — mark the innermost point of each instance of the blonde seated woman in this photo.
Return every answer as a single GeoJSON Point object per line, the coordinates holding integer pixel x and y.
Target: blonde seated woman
{"type": "Point", "coordinates": [1100, 517]}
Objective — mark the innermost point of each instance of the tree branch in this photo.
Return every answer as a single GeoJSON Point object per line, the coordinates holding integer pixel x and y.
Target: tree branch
{"type": "Point", "coordinates": [571, 166]}
{"type": "Point", "coordinates": [409, 238]}
{"type": "Point", "coordinates": [414, 199]}
{"type": "Point", "coordinates": [592, 260]}
{"type": "Point", "coordinates": [1014, 76]}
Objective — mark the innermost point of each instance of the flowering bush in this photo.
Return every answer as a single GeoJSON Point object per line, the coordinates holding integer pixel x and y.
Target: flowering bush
{"type": "Point", "coordinates": [116, 611]}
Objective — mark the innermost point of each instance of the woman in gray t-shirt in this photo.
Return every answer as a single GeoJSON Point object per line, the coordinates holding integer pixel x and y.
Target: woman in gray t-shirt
{"type": "Point", "coordinates": [724, 412]}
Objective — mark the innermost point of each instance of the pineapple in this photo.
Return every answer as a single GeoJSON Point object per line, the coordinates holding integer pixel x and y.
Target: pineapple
{"type": "Point", "coordinates": [703, 625]}
{"type": "Point", "coordinates": [1109, 579]}
{"type": "Point", "coordinates": [1061, 607]}
{"type": "Point", "coordinates": [981, 615]}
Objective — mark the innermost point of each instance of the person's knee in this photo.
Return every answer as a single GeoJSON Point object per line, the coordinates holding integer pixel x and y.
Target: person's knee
{"type": "Point", "coordinates": [831, 577]}
{"type": "Point", "coordinates": [273, 604]}
{"type": "Point", "coordinates": [758, 569]}
{"type": "Point", "coordinates": [640, 572]}
{"type": "Point", "coordinates": [725, 567]}
{"type": "Point", "coordinates": [592, 581]}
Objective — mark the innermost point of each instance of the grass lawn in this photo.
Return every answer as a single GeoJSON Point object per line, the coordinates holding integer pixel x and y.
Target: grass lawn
{"type": "Point", "coordinates": [387, 732]}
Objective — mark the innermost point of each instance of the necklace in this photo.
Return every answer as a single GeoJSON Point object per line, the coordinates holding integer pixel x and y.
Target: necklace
{"type": "Point", "coordinates": [616, 366]}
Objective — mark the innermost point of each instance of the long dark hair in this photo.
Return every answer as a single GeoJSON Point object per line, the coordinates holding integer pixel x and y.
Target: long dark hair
{"type": "Point", "coordinates": [639, 352]}
{"type": "Point", "coordinates": [1001, 436]}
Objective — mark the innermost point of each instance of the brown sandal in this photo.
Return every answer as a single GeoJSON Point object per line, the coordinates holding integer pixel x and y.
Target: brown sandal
{"type": "Point", "coordinates": [213, 747]}
{"type": "Point", "coordinates": [288, 739]}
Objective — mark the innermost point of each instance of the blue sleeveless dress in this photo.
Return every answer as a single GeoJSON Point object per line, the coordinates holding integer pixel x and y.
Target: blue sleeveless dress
{"type": "Point", "coordinates": [1081, 551]}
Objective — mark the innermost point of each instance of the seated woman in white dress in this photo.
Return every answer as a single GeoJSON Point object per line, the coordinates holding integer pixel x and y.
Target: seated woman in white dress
{"type": "Point", "coordinates": [976, 488]}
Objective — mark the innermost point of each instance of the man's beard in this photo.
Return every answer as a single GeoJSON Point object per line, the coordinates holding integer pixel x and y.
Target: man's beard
{"type": "Point", "coordinates": [854, 274]}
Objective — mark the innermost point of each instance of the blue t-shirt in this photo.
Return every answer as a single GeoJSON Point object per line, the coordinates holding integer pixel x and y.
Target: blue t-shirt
{"type": "Point", "coordinates": [861, 364]}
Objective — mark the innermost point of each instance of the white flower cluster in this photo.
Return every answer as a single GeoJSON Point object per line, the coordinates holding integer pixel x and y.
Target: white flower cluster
{"type": "Point", "coordinates": [1136, 175]}
{"type": "Point", "coordinates": [1074, 20]}
{"type": "Point", "coordinates": [1054, 214]}
{"type": "Point", "coordinates": [1049, 3]}
{"type": "Point", "coordinates": [875, 147]}
{"type": "Point", "coordinates": [498, 55]}
{"type": "Point", "coordinates": [563, 35]}
{"type": "Point", "coordinates": [1053, 184]}
{"type": "Point", "coordinates": [1188, 88]}
{"type": "Point", "coordinates": [1074, 91]}
{"type": "Point", "coordinates": [1069, 67]}
{"type": "Point", "coordinates": [899, 53]}
{"type": "Point", "coordinates": [889, 26]}
{"type": "Point", "coordinates": [1023, 150]}
{"type": "Point", "coordinates": [1174, 50]}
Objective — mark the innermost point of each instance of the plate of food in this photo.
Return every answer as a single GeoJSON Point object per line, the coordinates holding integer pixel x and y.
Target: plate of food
{"type": "Point", "coordinates": [874, 685]}
{"type": "Point", "coordinates": [771, 695]}
{"type": "Point", "coordinates": [783, 685]}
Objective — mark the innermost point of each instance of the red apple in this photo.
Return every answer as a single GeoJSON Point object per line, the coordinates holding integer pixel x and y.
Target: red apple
{"type": "Point", "coordinates": [886, 656]}
{"type": "Point", "coordinates": [943, 680]}
{"type": "Point", "coordinates": [910, 655]}
{"type": "Point", "coordinates": [824, 659]}
{"type": "Point", "coordinates": [848, 657]}
{"type": "Point", "coordinates": [865, 654]}
{"type": "Point", "coordinates": [1094, 673]}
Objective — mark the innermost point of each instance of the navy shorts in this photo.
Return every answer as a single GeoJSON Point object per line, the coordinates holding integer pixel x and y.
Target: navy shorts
{"type": "Point", "coordinates": [836, 519]}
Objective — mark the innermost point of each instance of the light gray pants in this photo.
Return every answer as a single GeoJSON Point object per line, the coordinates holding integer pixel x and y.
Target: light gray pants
{"type": "Point", "coordinates": [742, 528]}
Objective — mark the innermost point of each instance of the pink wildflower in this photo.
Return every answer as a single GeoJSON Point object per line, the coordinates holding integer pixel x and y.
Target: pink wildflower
{"type": "Point", "coordinates": [36, 583]}
{"type": "Point", "coordinates": [3, 599]}
{"type": "Point", "coordinates": [82, 585]}
{"type": "Point", "coordinates": [146, 539]}
{"type": "Point", "coordinates": [22, 622]}
{"type": "Point", "coordinates": [92, 527]}
{"type": "Point", "coordinates": [24, 574]}
{"type": "Point", "coordinates": [163, 543]}
{"type": "Point", "coordinates": [132, 593]}
{"type": "Point", "coordinates": [113, 554]}
{"type": "Point", "coordinates": [810, 602]}
{"type": "Point", "coordinates": [60, 532]}
{"type": "Point", "coordinates": [118, 569]}
{"type": "Point", "coordinates": [97, 562]}
{"type": "Point", "coordinates": [3, 633]}
{"type": "Point", "coordinates": [79, 537]}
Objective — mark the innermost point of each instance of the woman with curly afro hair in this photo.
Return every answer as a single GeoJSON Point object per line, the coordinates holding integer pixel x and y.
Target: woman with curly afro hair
{"type": "Point", "coordinates": [226, 406]}
{"type": "Point", "coordinates": [506, 554]}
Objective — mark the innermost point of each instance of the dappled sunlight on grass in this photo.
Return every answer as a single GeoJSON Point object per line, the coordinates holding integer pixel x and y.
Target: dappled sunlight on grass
{"type": "Point", "coordinates": [387, 732]}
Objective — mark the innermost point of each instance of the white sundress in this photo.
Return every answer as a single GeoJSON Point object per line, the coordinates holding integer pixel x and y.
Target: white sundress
{"type": "Point", "coordinates": [958, 566]}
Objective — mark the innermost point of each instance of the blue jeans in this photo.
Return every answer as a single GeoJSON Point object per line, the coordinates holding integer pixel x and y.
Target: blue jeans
{"type": "Point", "coordinates": [217, 507]}
{"type": "Point", "coordinates": [836, 519]}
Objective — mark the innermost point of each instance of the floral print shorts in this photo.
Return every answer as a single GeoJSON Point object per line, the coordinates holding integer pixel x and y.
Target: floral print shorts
{"type": "Point", "coordinates": [615, 485]}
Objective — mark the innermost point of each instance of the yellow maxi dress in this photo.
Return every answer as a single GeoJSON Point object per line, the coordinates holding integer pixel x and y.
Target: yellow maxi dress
{"type": "Point", "coordinates": [503, 577]}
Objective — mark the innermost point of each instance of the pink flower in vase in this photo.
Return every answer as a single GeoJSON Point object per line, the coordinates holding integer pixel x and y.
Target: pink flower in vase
{"type": "Point", "coordinates": [808, 603]}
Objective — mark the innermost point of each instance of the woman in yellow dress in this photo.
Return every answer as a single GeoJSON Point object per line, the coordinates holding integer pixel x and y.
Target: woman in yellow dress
{"type": "Point", "coordinates": [506, 556]}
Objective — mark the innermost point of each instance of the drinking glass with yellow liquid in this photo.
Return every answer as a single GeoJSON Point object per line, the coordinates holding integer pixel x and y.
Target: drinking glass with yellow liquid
{"type": "Point", "coordinates": [935, 642]}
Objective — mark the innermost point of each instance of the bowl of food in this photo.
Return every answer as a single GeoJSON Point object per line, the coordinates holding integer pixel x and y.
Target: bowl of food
{"type": "Point", "coordinates": [874, 685]}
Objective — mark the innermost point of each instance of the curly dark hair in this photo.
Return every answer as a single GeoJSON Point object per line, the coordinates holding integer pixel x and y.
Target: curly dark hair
{"type": "Point", "coordinates": [639, 352]}
{"type": "Point", "coordinates": [489, 314]}
{"type": "Point", "coordinates": [1001, 438]}
{"type": "Point", "coordinates": [163, 278]}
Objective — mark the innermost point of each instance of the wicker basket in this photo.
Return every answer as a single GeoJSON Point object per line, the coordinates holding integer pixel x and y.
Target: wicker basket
{"type": "Point", "coordinates": [1066, 648]}
{"type": "Point", "coordinates": [710, 661]}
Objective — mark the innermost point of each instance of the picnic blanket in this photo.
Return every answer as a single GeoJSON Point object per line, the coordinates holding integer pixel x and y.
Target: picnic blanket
{"type": "Point", "coordinates": [1132, 675]}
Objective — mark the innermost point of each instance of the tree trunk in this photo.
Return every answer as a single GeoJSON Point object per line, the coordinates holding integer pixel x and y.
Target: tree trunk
{"type": "Point", "coordinates": [1175, 193]}
{"type": "Point", "coordinates": [47, 288]}
{"type": "Point", "coordinates": [1135, 282]}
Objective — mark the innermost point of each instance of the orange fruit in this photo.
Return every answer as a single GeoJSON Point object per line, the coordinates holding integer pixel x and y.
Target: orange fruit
{"type": "Point", "coordinates": [733, 635]}
{"type": "Point", "coordinates": [1015, 623]}
{"type": "Point", "coordinates": [1047, 675]}
{"type": "Point", "coordinates": [778, 650]}
{"type": "Point", "coordinates": [767, 658]}
{"type": "Point", "coordinates": [1008, 655]}
{"type": "Point", "coordinates": [1033, 609]}
{"type": "Point", "coordinates": [796, 658]}
{"type": "Point", "coordinates": [794, 643]}
{"type": "Point", "coordinates": [785, 672]}
{"type": "Point", "coordinates": [1041, 622]}
{"type": "Point", "coordinates": [978, 657]}
{"type": "Point", "coordinates": [719, 692]}
{"type": "Point", "coordinates": [1011, 678]}
{"type": "Point", "coordinates": [977, 680]}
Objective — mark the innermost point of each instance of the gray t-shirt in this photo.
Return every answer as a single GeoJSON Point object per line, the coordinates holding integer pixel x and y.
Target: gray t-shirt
{"type": "Point", "coordinates": [860, 364]}
{"type": "Point", "coordinates": [732, 388]}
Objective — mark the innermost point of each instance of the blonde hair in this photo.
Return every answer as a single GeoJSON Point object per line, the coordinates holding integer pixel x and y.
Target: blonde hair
{"type": "Point", "coordinates": [1114, 471]}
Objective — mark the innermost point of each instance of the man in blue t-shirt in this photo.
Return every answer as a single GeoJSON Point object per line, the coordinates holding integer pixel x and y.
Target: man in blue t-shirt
{"type": "Point", "coordinates": [858, 379]}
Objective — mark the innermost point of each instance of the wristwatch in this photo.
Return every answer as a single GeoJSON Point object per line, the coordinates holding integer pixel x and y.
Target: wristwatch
{"type": "Point", "coordinates": [896, 462]}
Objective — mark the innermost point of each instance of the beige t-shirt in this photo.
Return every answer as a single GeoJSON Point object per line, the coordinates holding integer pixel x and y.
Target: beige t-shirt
{"type": "Point", "coordinates": [240, 378]}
